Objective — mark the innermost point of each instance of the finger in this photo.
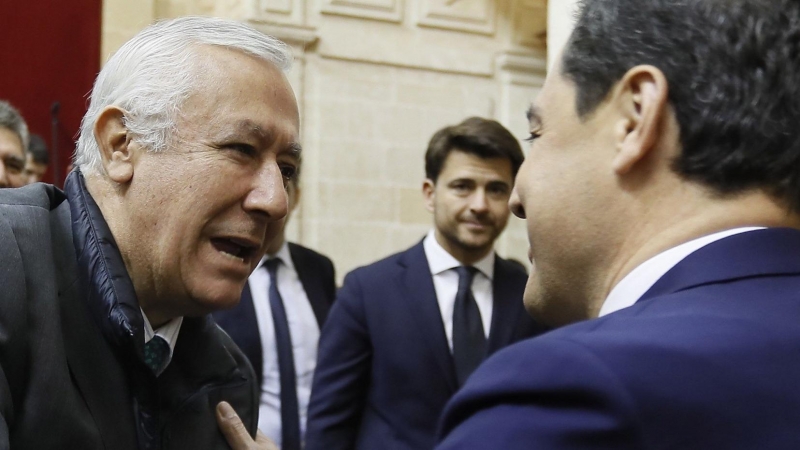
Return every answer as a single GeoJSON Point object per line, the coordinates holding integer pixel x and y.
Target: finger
{"type": "Point", "coordinates": [232, 427]}
{"type": "Point", "coordinates": [264, 442]}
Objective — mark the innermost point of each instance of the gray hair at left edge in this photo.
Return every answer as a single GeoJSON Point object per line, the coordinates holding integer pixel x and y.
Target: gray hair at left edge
{"type": "Point", "coordinates": [12, 120]}
{"type": "Point", "coordinates": [152, 75]}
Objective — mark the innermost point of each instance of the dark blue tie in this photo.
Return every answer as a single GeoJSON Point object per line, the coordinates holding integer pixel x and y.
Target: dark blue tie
{"type": "Point", "coordinates": [290, 411]}
{"type": "Point", "coordinates": [469, 340]}
{"type": "Point", "coordinates": [156, 353]}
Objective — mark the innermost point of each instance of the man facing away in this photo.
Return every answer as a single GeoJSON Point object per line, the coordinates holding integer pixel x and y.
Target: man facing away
{"type": "Point", "coordinates": [407, 331]}
{"type": "Point", "coordinates": [277, 326]}
{"type": "Point", "coordinates": [13, 142]}
{"type": "Point", "coordinates": [661, 193]}
{"type": "Point", "coordinates": [105, 338]}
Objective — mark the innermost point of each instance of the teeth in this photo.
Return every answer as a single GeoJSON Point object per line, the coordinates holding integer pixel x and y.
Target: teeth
{"type": "Point", "coordinates": [232, 256]}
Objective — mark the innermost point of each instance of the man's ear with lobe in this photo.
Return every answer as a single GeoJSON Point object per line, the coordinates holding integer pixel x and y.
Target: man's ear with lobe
{"type": "Point", "coordinates": [115, 143]}
{"type": "Point", "coordinates": [642, 97]}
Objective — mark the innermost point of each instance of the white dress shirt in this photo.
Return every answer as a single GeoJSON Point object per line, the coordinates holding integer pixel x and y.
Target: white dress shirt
{"type": "Point", "coordinates": [445, 283]}
{"type": "Point", "coordinates": [304, 330]}
{"type": "Point", "coordinates": [169, 332]}
{"type": "Point", "coordinates": [644, 276]}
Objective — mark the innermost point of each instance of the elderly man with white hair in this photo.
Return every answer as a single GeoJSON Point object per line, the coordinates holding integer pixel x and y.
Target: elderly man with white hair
{"type": "Point", "coordinates": [178, 188]}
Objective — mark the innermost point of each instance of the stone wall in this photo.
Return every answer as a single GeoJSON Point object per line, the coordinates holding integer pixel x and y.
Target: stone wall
{"type": "Point", "coordinates": [375, 79]}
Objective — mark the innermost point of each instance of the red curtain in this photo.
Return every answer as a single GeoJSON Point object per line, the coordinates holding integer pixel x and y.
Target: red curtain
{"type": "Point", "coordinates": [50, 52]}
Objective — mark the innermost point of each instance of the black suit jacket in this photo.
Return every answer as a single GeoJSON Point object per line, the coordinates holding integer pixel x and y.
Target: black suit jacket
{"type": "Point", "coordinates": [71, 371]}
{"type": "Point", "coordinates": [385, 370]}
{"type": "Point", "coordinates": [318, 278]}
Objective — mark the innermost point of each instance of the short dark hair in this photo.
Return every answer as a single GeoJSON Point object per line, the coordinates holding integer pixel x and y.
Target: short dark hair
{"type": "Point", "coordinates": [484, 138]}
{"type": "Point", "coordinates": [38, 150]}
{"type": "Point", "coordinates": [733, 69]}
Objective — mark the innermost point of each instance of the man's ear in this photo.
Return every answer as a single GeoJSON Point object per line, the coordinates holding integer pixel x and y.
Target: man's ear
{"type": "Point", "coordinates": [115, 143]}
{"type": "Point", "coordinates": [642, 95]}
{"type": "Point", "coordinates": [429, 192]}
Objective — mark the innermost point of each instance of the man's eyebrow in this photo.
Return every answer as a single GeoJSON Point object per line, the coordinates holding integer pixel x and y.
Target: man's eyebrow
{"type": "Point", "coordinates": [295, 150]}
{"type": "Point", "coordinates": [16, 159]}
{"type": "Point", "coordinates": [534, 115]}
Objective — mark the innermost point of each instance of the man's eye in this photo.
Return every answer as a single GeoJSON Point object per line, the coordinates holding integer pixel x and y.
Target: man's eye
{"type": "Point", "coordinates": [533, 136]}
{"type": "Point", "coordinates": [14, 166]}
{"type": "Point", "coordinates": [288, 172]}
{"type": "Point", "coordinates": [245, 149]}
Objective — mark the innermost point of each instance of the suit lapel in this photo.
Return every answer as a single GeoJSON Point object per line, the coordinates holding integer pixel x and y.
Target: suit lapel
{"type": "Point", "coordinates": [504, 313]}
{"type": "Point", "coordinates": [312, 284]}
{"type": "Point", "coordinates": [417, 291]}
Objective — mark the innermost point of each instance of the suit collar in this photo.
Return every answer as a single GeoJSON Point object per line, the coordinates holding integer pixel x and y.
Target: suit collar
{"type": "Point", "coordinates": [771, 251]}
{"type": "Point", "coordinates": [439, 260]}
{"type": "Point", "coordinates": [644, 276]}
{"type": "Point", "coordinates": [111, 296]}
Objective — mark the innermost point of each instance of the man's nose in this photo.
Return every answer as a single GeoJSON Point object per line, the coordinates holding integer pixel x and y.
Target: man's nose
{"type": "Point", "coordinates": [268, 197]}
{"type": "Point", "coordinates": [479, 203]}
{"type": "Point", "coordinates": [515, 205]}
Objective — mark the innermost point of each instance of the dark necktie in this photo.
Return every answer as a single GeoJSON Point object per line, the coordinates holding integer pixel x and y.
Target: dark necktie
{"type": "Point", "coordinates": [469, 341]}
{"type": "Point", "coordinates": [290, 411]}
{"type": "Point", "coordinates": [156, 353]}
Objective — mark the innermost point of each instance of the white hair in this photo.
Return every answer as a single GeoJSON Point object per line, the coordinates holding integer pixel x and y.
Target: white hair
{"type": "Point", "coordinates": [152, 74]}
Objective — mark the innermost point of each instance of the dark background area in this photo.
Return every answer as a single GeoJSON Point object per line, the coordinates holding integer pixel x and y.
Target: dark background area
{"type": "Point", "coordinates": [50, 52]}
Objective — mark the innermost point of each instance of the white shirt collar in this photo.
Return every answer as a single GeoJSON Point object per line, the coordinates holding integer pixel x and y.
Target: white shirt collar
{"type": "Point", "coordinates": [169, 332]}
{"type": "Point", "coordinates": [644, 276]}
{"type": "Point", "coordinates": [282, 253]}
{"type": "Point", "coordinates": [440, 260]}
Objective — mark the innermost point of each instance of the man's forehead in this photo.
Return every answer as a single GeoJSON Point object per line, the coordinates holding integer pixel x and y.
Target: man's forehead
{"type": "Point", "coordinates": [11, 142]}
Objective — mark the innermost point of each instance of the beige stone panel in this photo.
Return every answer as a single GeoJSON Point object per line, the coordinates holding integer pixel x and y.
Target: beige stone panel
{"type": "Point", "coordinates": [357, 202]}
{"type": "Point", "coordinates": [406, 166]}
{"type": "Point", "coordinates": [352, 160]}
{"type": "Point", "coordinates": [234, 9]}
{"type": "Point", "coordinates": [384, 43]}
{"type": "Point", "coordinates": [412, 207]}
{"type": "Point", "coordinates": [450, 95]}
{"type": "Point", "coordinates": [121, 20]}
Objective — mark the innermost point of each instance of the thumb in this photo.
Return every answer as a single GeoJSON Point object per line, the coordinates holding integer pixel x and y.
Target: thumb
{"type": "Point", "coordinates": [232, 427]}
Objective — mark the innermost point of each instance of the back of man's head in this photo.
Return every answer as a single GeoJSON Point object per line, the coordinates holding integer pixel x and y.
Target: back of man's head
{"type": "Point", "coordinates": [153, 74]}
{"type": "Point", "coordinates": [732, 68]}
{"type": "Point", "coordinates": [476, 136]}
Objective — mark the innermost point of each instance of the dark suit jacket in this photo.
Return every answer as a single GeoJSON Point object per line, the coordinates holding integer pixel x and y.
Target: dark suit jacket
{"type": "Point", "coordinates": [385, 370]}
{"type": "Point", "coordinates": [708, 358]}
{"type": "Point", "coordinates": [318, 278]}
{"type": "Point", "coordinates": [72, 374]}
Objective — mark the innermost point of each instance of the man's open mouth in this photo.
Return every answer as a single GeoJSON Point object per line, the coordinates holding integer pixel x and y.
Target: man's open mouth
{"type": "Point", "coordinates": [235, 247]}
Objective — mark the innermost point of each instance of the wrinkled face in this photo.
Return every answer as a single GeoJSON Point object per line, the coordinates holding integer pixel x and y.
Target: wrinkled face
{"type": "Point", "coordinates": [203, 211]}
{"type": "Point", "coordinates": [34, 171]}
{"type": "Point", "coordinates": [12, 159]}
{"type": "Point", "coordinates": [469, 202]}
{"type": "Point", "coordinates": [563, 189]}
